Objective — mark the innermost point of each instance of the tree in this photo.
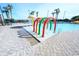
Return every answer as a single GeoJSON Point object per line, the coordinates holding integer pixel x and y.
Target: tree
{"type": "Point", "coordinates": [53, 13]}
{"type": "Point", "coordinates": [10, 7]}
{"type": "Point", "coordinates": [37, 14]}
{"type": "Point", "coordinates": [57, 11]}
{"type": "Point", "coordinates": [32, 12]}
{"type": "Point", "coordinates": [6, 11]}
{"type": "Point", "coordinates": [2, 16]}
{"type": "Point", "coordinates": [75, 17]}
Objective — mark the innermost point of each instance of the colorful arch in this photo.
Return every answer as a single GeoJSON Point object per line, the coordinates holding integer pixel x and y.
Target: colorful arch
{"type": "Point", "coordinates": [43, 31]}
{"type": "Point", "coordinates": [32, 18]}
{"type": "Point", "coordinates": [36, 22]}
{"type": "Point", "coordinates": [40, 24]}
{"type": "Point", "coordinates": [45, 22]}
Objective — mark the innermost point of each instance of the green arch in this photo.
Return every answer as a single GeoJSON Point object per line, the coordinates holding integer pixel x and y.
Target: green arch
{"type": "Point", "coordinates": [40, 24]}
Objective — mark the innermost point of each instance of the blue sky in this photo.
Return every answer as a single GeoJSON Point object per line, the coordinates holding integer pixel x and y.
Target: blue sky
{"type": "Point", "coordinates": [20, 11]}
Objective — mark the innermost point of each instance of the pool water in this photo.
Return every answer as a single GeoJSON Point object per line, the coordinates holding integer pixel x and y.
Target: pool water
{"type": "Point", "coordinates": [61, 27]}
{"type": "Point", "coordinates": [67, 27]}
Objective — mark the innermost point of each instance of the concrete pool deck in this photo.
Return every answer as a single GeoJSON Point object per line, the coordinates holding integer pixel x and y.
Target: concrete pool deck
{"type": "Point", "coordinates": [48, 34]}
{"type": "Point", "coordinates": [62, 44]}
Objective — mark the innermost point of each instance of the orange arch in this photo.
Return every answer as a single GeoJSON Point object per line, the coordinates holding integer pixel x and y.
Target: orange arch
{"type": "Point", "coordinates": [36, 23]}
{"type": "Point", "coordinates": [44, 25]}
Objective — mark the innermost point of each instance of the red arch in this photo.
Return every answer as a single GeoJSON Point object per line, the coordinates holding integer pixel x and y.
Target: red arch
{"type": "Point", "coordinates": [43, 31]}
{"type": "Point", "coordinates": [54, 24]}
{"type": "Point", "coordinates": [45, 22]}
{"type": "Point", "coordinates": [36, 22]}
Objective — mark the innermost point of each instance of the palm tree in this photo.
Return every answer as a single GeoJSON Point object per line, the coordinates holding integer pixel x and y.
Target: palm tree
{"type": "Point", "coordinates": [6, 11]}
{"type": "Point", "coordinates": [53, 13]}
{"type": "Point", "coordinates": [2, 16]}
{"type": "Point", "coordinates": [37, 14]}
{"type": "Point", "coordinates": [32, 12]}
{"type": "Point", "coordinates": [10, 7]}
{"type": "Point", "coordinates": [57, 11]}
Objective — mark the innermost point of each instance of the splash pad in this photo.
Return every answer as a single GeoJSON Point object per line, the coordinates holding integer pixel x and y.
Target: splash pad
{"type": "Point", "coordinates": [42, 28]}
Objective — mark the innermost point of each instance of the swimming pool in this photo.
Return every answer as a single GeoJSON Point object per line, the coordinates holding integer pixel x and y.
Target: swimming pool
{"type": "Point", "coordinates": [61, 27]}
{"type": "Point", "coordinates": [67, 27]}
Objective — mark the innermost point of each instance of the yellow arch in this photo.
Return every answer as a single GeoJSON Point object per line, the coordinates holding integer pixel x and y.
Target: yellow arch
{"type": "Point", "coordinates": [32, 18]}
